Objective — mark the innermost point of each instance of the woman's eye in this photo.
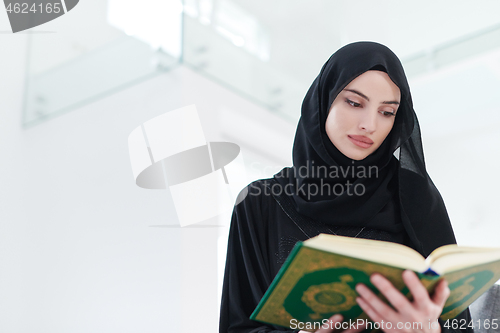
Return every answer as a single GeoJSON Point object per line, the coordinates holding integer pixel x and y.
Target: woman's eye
{"type": "Point", "coordinates": [352, 103]}
{"type": "Point", "coordinates": [388, 113]}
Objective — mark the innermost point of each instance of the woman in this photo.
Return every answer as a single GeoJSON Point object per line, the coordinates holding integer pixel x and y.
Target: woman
{"type": "Point", "coordinates": [345, 180]}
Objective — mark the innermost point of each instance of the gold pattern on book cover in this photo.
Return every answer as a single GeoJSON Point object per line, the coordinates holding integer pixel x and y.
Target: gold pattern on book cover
{"type": "Point", "coordinates": [328, 297]}
{"type": "Point", "coordinates": [467, 285]}
{"type": "Point", "coordinates": [310, 260]}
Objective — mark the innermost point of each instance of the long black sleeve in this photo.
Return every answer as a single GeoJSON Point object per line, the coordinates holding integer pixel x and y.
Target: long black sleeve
{"type": "Point", "coordinates": [247, 273]}
{"type": "Point", "coordinates": [259, 229]}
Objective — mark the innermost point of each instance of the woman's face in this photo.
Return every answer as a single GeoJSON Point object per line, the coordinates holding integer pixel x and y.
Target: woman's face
{"type": "Point", "coordinates": [362, 115]}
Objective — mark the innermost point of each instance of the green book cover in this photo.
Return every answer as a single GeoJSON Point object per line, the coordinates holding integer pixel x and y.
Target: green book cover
{"type": "Point", "coordinates": [314, 284]}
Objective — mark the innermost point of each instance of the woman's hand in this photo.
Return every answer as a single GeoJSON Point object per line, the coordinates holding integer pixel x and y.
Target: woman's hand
{"type": "Point", "coordinates": [423, 309]}
{"type": "Point", "coordinates": [337, 319]}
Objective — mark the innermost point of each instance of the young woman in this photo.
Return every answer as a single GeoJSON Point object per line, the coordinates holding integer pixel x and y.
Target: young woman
{"type": "Point", "coordinates": [348, 178]}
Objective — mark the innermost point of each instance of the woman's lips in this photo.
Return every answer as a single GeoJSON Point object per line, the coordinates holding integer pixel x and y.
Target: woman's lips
{"type": "Point", "coordinates": [360, 141]}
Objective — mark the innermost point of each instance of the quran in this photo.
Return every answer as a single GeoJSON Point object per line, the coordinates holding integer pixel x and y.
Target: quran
{"type": "Point", "coordinates": [318, 278]}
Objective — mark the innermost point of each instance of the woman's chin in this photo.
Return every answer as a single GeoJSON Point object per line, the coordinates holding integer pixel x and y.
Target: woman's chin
{"type": "Point", "coordinates": [356, 155]}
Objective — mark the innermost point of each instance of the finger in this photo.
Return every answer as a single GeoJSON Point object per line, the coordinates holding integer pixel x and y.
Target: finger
{"type": "Point", "coordinates": [368, 297]}
{"type": "Point", "coordinates": [441, 293]}
{"type": "Point", "coordinates": [369, 310]}
{"type": "Point", "coordinates": [420, 295]}
{"type": "Point", "coordinates": [394, 296]}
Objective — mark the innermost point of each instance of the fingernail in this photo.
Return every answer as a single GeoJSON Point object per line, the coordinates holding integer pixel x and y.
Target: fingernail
{"type": "Point", "coordinates": [409, 272]}
{"type": "Point", "coordinates": [337, 317]}
{"type": "Point", "coordinates": [375, 278]}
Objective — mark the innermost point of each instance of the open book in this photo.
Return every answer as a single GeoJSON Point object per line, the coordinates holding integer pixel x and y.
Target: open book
{"type": "Point", "coordinates": [319, 277]}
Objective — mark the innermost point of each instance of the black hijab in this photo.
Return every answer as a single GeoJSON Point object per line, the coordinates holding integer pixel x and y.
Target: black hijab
{"type": "Point", "coordinates": [379, 191]}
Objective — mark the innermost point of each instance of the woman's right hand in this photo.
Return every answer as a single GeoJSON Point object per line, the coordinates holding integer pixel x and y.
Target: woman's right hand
{"type": "Point", "coordinates": [329, 327]}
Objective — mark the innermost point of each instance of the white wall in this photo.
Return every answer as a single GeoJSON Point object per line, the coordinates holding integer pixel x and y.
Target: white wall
{"type": "Point", "coordinates": [82, 248]}
{"type": "Point", "coordinates": [460, 122]}
{"type": "Point", "coordinates": [78, 254]}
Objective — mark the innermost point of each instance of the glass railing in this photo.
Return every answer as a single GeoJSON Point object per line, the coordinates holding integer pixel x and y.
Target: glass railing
{"type": "Point", "coordinates": [92, 76]}
{"type": "Point", "coordinates": [454, 51]}
{"type": "Point", "coordinates": [214, 55]}
{"type": "Point", "coordinates": [91, 52]}
{"type": "Point", "coordinates": [69, 68]}
{"type": "Point", "coordinates": [73, 66]}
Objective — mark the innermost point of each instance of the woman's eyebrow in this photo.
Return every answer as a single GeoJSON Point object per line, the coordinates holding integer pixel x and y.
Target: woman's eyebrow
{"type": "Point", "coordinates": [390, 102]}
{"type": "Point", "coordinates": [366, 97]}
{"type": "Point", "coordinates": [358, 93]}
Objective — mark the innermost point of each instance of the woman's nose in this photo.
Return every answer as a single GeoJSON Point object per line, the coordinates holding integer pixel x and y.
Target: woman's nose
{"type": "Point", "coordinates": [368, 122]}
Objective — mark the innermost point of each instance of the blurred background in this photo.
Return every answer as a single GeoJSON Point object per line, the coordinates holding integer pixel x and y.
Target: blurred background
{"type": "Point", "coordinates": [83, 249]}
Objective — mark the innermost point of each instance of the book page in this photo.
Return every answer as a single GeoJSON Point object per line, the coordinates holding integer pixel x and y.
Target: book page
{"type": "Point", "coordinates": [382, 252]}
{"type": "Point", "coordinates": [451, 258]}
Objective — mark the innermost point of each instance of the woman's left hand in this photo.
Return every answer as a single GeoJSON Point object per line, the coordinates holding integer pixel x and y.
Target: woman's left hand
{"type": "Point", "coordinates": [423, 309]}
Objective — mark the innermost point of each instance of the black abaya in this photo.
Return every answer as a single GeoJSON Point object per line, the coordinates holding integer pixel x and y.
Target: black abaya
{"type": "Point", "coordinates": [400, 205]}
{"type": "Point", "coordinates": [264, 229]}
